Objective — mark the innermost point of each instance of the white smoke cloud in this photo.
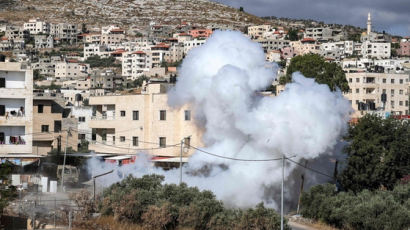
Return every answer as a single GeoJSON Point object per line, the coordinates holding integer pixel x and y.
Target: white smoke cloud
{"type": "Point", "coordinates": [221, 79]}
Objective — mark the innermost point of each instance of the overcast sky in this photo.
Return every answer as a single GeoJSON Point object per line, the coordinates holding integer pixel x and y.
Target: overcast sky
{"type": "Point", "coordinates": [393, 16]}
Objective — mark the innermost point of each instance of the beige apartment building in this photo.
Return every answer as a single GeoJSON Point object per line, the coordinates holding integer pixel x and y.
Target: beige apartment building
{"type": "Point", "coordinates": [369, 87]}
{"type": "Point", "coordinates": [130, 124]}
{"type": "Point", "coordinates": [71, 69]}
{"type": "Point", "coordinates": [51, 124]}
{"type": "Point", "coordinates": [16, 108]}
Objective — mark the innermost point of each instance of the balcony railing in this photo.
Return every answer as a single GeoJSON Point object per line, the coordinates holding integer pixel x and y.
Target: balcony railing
{"type": "Point", "coordinates": [13, 140]}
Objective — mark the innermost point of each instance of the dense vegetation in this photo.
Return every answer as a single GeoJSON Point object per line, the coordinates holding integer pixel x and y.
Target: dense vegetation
{"type": "Point", "coordinates": [7, 192]}
{"type": "Point", "coordinates": [364, 210]}
{"type": "Point", "coordinates": [96, 61]}
{"type": "Point", "coordinates": [378, 154]}
{"type": "Point", "coordinates": [315, 66]}
{"type": "Point", "coordinates": [153, 205]}
{"type": "Point", "coordinates": [375, 181]}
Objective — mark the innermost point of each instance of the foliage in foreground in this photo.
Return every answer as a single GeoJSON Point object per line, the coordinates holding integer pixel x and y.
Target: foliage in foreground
{"type": "Point", "coordinates": [148, 202]}
{"type": "Point", "coordinates": [7, 192]}
{"type": "Point", "coordinates": [378, 154]}
{"type": "Point", "coordinates": [364, 210]}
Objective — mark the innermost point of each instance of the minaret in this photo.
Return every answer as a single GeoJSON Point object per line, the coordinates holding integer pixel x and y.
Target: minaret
{"type": "Point", "coordinates": [369, 24]}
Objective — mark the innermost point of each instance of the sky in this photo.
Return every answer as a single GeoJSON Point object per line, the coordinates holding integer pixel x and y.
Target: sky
{"type": "Point", "coordinates": [392, 16]}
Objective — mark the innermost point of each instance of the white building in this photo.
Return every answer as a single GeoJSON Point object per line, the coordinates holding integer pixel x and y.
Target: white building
{"type": "Point", "coordinates": [93, 49]}
{"type": "Point", "coordinates": [36, 26]}
{"type": "Point", "coordinates": [16, 108]}
{"type": "Point", "coordinates": [376, 50]}
{"type": "Point", "coordinates": [83, 115]}
{"type": "Point", "coordinates": [188, 45]}
{"type": "Point", "coordinates": [134, 64]}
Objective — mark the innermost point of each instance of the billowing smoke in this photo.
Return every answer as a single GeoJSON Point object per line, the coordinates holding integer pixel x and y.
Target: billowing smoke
{"type": "Point", "coordinates": [221, 80]}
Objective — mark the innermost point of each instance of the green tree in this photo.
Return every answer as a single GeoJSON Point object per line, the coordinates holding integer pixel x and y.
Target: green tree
{"type": "Point", "coordinates": [314, 66]}
{"type": "Point", "coordinates": [378, 153]}
{"type": "Point", "coordinates": [292, 35]}
{"type": "Point", "coordinates": [7, 192]}
{"type": "Point", "coordinates": [241, 8]}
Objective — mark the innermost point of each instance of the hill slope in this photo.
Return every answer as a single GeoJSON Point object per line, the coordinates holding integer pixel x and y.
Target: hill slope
{"type": "Point", "coordinates": [126, 12]}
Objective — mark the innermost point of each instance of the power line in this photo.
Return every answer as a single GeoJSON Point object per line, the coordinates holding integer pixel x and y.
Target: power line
{"type": "Point", "coordinates": [232, 158]}
{"type": "Point", "coordinates": [311, 169]}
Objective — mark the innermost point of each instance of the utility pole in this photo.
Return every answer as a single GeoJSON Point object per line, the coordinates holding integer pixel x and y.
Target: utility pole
{"type": "Point", "coordinates": [281, 197]}
{"type": "Point", "coordinates": [65, 153]}
{"type": "Point", "coordinates": [180, 162]}
{"type": "Point", "coordinates": [301, 188]}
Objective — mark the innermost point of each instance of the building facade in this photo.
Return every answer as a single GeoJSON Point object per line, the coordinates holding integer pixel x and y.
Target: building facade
{"type": "Point", "coordinates": [367, 89]}
{"type": "Point", "coordinates": [16, 108]}
{"type": "Point", "coordinates": [129, 124]}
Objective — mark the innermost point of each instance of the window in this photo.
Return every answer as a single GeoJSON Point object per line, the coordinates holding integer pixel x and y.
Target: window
{"type": "Point", "coordinates": [392, 104]}
{"type": "Point", "coordinates": [357, 79]}
{"type": "Point", "coordinates": [384, 80]}
{"type": "Point", "coordinates": [2, 82]}
{"type": "Point", "coordinates": [122, 113]}
{"type": "Point", "coordinates": [187, 142]}
{"type": "Point", "coordinates": [57, 126]}
{"type": "Point", "coordinates": [44, 128]}
{"type": "Point", "coordinates": [113, 140]}
{"type": "Point", "coordinates": [40, 108]}
{"type": "Point", "coordinates": [81, 136]}
{"type": "Point", "coordinates": [400, 103]}
{"type": "Point", "coordinates": [162, 115]}
{"type": "Point", "coordinates": [392, 92]}
{"type": "Point", "coordinates": [384, 90]}
{"type": "Point", "coordinates": [357, 90]}
{"type": "Point", "coordinates": [2, 139]}
{"type": "Point", "coordinates": [2, 110]}
{"type": "Point", "coordinates": [401, 91]}
{"type": "Point", "coordinates": [135, 141]}
{"type": "Point", "coordinates": [187, 115]}
{"type": "Point", "coordinates": [350, 80]}
{"type": "Point", "coordinates": [122, 138]}
{"type": "Point", "coordinates": [401, 81]}
{"type": "Point", "coordinates": [81, 119]}
{"type": "Point", "coordinates": [135, 115]}
{"type": "Point", "coordinates": [392, 81]}
{"type": "Point", "coordinates": [162, 142]}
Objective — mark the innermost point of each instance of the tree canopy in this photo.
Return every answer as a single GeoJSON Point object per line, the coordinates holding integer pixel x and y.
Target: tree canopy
{"type": "Point", "coordinates": [314, 66]}
{"type": "Point", "coordinates": [378, 153]}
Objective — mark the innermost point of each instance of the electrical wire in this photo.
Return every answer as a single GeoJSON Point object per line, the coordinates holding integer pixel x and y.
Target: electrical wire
{"type": "Point", "coordinates": [311, 169]}
{"type": "Point", "coordinates": [234, 159]}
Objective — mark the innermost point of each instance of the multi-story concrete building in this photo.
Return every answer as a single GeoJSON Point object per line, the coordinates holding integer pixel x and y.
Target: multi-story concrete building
{"type": "Point", "coordinates": [71, 69]}
{"type": "Point", "coordinates": [65, 32]}
{"type": "Point", "coordinates": [16, 33]}
{"type": "Point", "coordinates": [404, 49]}
{"type": "Point", "coordinates": [175, 54]}
{"type": "Point", "coordinates": [36, 26]}
{"type": "Point", "coordinates": [305, 46]}
{"type": "Point", "coordinates": [107, 79]}
{"type": "Point", "coordinates": [129, 124]}
{"type": "Point", "coordinates": [115, 36]}
{"type": "Point", "coordinates": [376, 50]}
{"type": "Point", "coordinates": [273, 44]}
{"type": "Point", "coordinates": [43, 41]}
{"type": "Point", "coordinates": [46, 65]}
{"type": "Point", "coordinates": [367, 88]}
{"type": "Point", "coordinates": [52, 124]}
{"type": "Point", "coordinates": [188, 45]}
{"type": "Point", "coordinates": [324, 34]}
{"type": "Point", "coordinates": [258, 31]}
{"type": "Point", "coordinates": [94, 49]}
{"type": "Point", "coordinates": [83, 115]}
{"type": "Point", "coordinates": [200, 33]}
{"type": "Point", "coordinates": [16, 108]}
{"type": "Point", "coordinates": [135, 63]}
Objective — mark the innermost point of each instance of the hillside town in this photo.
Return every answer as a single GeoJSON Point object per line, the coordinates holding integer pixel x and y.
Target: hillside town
{"type": "Point", "coordinates": [83, 90]}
